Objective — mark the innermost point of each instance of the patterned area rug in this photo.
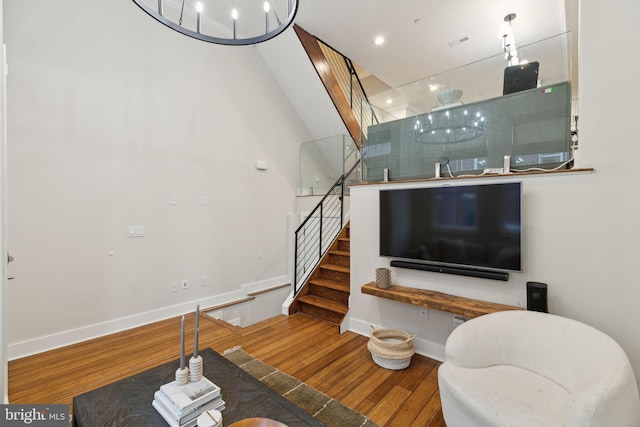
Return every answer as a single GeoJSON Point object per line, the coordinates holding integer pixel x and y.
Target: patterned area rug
{"type": "Point", "coordinates": [322, 407]}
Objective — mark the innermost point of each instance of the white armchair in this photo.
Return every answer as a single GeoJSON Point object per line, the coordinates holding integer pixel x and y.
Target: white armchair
{"type": "Point", "coordinates": [525, 368]}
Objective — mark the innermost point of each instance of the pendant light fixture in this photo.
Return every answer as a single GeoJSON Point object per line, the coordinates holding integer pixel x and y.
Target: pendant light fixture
{"type": "Point", "coordinates": [226, 22]}
{"type": "Point", "coordinates": [508, 40]}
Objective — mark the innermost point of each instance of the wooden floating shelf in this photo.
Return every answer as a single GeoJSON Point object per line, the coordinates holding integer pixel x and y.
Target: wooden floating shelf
{"type": "Point", "coordinates": [466, 307]}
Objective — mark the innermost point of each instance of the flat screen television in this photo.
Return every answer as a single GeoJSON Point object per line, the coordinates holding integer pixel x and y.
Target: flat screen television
{"type": "Point", "coordinates": [469, 226]}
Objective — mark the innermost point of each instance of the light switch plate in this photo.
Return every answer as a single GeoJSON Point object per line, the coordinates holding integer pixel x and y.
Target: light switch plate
{"type": "Point", "coordinates": [262, 165]}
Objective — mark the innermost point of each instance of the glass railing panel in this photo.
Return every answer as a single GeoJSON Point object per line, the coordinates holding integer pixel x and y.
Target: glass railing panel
{"type": "Point", "coordinates": [323, 161]}
{"type": "Point", "coordinates": [533, 127]}
{"type": "Point", "coordinates": [474, 132]}
{"type": "Point", "coordinates": [351, 168]}
{"type": "Point", "coordinates": [480, 80]}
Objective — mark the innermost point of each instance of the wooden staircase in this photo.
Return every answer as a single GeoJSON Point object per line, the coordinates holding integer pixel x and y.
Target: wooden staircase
{"type": "Point", "coordinates": [325, 295]}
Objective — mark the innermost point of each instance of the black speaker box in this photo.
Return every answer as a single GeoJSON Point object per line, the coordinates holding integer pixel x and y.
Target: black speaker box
{"type": "Point", "coordinates": [537, 297]}
{"type": "Point", "coordinates": [520, 77]}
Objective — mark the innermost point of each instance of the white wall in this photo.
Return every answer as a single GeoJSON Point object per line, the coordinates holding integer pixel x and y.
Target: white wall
{"type": "Point", "coordinates": [4, 346]}
{"type": "Point", "coordinates": [581, 231]}
{"type": "Point", "coordinates": [110, 113]}
{"type": "Point", "coordinates": [297, 76]}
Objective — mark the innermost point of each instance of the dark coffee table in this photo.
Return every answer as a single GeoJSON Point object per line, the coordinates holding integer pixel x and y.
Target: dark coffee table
{"type": "Point", "coordinates": [128, 402]}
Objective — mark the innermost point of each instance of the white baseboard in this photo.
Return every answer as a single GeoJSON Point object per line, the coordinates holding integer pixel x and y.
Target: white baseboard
{"type": "Point", "coordinates": [287, 303]}
{"type": "Point", "coordinates": [72, 336]}
{"type": "Point", "coordinates": [344, 325]}
{"type": "Point", "coordinates": [430, 349]}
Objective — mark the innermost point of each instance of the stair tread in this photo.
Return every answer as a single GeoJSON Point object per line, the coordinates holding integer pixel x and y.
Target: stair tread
{"type": "Point", "coordinates": [324, 303]}
{"type": "Point", "coordinates": [336, 267]}
{"type": "Point", "coordinates": [341, 253]}
{"type": "Point", "coordinates": [328, 297]}
{"type": "Point", "coordinates": [330, 284]}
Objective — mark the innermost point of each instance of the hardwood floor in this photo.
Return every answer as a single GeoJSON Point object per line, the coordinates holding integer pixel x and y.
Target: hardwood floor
{"type": "Point", "coordinates": [312, 351]}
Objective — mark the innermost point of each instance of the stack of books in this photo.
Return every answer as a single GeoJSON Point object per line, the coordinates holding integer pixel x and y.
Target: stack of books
{"type": "Point", "coordinates": [181, 405]}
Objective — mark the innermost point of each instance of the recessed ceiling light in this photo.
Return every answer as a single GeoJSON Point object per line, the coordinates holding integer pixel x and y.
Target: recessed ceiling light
{"type": "Point", "coordinates": [389, 101]}
{"type": "Point", "coordinates": [379, 40]}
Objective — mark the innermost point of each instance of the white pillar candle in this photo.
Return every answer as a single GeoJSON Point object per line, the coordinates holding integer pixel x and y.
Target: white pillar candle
{"type": "Point", "coordinates": [196, 337]}
{"type": "Point", "coordinates": [182, 364]}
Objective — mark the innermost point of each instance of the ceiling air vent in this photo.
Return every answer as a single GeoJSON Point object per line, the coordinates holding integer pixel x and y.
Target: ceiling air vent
{"type": "Point", "coordinates": [456, 42]}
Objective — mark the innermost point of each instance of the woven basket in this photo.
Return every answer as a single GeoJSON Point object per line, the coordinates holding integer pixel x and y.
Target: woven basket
{"type": "Point", "coordinates": [391, 348]}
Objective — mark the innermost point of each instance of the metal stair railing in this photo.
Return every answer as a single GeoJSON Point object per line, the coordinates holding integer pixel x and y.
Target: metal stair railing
{"type": "Point", "coordinates": [348, 80]}
{"type": "Point", "coordinates": [319, 230]}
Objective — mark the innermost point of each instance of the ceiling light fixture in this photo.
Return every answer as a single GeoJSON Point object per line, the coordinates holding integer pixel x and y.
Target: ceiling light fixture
{"type": "Point", "coordinates": [508, 40]}
{"type": "Point", "coordinates": [193, 19]}
{"type": "Point", "coordinates": [266, 8]}
{"type": "Point", "coordinates": [448, 127]}
{"type": "Point", "coordinates": [379, 40]}
{"type": "Point", "coordinates": [199, 9]}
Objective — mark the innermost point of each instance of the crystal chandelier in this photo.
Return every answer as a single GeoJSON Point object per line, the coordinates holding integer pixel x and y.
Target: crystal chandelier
{"type": "Point", "coordinates": [227, 22]}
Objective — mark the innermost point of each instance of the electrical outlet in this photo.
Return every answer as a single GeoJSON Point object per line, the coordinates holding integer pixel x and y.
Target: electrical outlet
{"type": "Point", "coordinates": [135, 231]}
{"type": "Point", "coordinates": [185, 284]}
{"type": "Point", "coordinates": [174, 286]}
{"type": "Point", "coordinates": [459, 320]}
{"type": "Point", "coordinates": [203, 281]}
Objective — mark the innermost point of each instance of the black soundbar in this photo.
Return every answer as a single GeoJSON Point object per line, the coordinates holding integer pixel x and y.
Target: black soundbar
{"type": "Point", "coordinates": [460, 271]}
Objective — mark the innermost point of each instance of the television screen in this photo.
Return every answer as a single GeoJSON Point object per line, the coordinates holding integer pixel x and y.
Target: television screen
{"type": "Point", "coordinates": [476, 226]}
